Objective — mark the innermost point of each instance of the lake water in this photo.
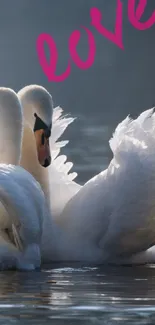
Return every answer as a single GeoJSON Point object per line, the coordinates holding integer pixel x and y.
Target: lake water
{"type": "Point", "coordinates": [73, 294]}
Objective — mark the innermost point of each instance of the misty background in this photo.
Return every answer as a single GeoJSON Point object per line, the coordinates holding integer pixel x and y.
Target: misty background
{"type": "Point", "coordinates": [119, 82]}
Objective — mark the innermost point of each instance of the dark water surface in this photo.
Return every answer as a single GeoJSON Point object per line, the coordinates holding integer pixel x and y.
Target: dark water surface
{"type": "Point", "coordinates": [78, 295]}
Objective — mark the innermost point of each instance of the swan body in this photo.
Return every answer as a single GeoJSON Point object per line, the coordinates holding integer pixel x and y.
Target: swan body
{"type": "Point", "coordinates": [23, 201]}
{"type": "Point", "coordinates": [112, 217]}
{"type": "Point", "coordinates": [116, 209]}
{"type": "Point", "coordinates": [21, 198]}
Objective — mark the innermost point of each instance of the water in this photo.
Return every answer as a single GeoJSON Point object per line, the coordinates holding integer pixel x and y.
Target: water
{"type": "Point", "coordinates": [71, 294]}
{"type": "Point", "coordinates": [89, 147]}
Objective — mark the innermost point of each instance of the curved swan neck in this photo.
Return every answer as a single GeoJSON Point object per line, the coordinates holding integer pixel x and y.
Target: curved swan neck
{"type": "Point", "coordinates": [10, 127]}
{"type": "Point", "coordinates": [36, 99]}
{"type": "Point", "coordinates": [29, 159]}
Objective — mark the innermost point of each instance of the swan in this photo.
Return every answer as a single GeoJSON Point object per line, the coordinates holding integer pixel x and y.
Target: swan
{"type": "Point", "coordinates": [40, 118]}
{"type": "Point", "coordinates": [112, 217]}
{"type": "Point", "coordinates": [22, 202]}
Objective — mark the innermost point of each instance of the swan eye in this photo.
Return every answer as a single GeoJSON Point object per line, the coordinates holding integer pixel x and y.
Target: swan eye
{"type": "Point", "coordinates": [42, 139]}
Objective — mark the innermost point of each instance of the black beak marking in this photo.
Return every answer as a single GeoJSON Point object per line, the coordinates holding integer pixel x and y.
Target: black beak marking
{"type": "Point", "coordinates": [47, 162]}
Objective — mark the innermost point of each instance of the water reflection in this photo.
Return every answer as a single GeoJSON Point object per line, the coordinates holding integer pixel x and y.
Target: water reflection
{"type": "Point", "coordinates": [78, 294]}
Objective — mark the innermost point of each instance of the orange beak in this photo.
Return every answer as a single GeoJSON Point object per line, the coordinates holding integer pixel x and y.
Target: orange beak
{"type": "Point", "coordinates": [43, 149]}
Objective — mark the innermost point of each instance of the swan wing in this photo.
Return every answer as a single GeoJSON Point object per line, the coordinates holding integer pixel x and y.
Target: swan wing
{"type": "Point", "coordinates": [24, 202]}
{"type": "Point", "coordinates": [132, 219]}
{"type": "Point", "coordinates": [61, 179]}
{"type": "Point", "coordinates": [141, 129]}
{"type": "Point", "coordinates": [115, 210]}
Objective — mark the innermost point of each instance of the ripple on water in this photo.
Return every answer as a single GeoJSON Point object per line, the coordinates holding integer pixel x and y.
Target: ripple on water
{"type": "Point", "coordinates": [78, 295]}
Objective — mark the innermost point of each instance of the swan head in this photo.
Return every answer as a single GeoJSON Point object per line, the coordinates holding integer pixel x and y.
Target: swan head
{"type": "Point", "coordinates": [38, 109]}
{"type": "Point", "coordinates": [11, 127]}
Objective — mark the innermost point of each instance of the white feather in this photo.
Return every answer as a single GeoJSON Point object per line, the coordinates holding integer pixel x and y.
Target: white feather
{"type": "Point", "coordinates": [22, 201]}
{"type": "Point", "coordinates": [112, 217]}
{"type": "Point", "coordinates": [115, 210]}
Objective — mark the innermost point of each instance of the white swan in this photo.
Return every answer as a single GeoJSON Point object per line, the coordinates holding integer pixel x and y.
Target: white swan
{"type": "Point", "coordinates": [37, 101]}
{"type": "Point", "coordinates": [112, 217]}
{"type": "Point", "coordinates": [21, 198]}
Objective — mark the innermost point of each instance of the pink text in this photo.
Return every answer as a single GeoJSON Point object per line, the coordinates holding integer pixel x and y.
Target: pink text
{"type": "Point", "coordinates": [134, 16]}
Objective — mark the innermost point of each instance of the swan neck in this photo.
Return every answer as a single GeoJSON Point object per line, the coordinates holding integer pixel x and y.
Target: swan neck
{"type": "Point", "coordinates": [11, 128]}
{"type": "Point", "coordinates": [29, 159]}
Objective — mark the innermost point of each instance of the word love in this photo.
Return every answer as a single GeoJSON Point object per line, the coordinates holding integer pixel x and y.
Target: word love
{"type": "Point", "coordinates": [134, 16]}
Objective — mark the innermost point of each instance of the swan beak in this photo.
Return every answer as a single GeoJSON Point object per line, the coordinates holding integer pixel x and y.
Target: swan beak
{"type": "Point", "coordinates": [43, 148]}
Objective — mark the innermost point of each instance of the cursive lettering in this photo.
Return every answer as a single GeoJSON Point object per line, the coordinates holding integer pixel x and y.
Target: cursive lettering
{"type": "Point", "coordinates": [134, 16]}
